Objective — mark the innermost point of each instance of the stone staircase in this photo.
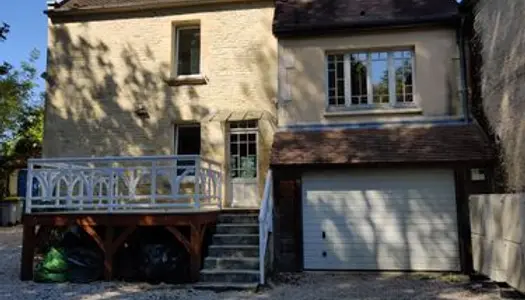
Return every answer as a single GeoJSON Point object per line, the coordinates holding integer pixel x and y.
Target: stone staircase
{"type": "Point", "coordinates": [233, 256]}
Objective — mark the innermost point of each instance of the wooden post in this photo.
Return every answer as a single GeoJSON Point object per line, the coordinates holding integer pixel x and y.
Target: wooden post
{"type": "Point", "coordinates": [196, 238]}
{"type": "Point", "coordinates": [28, 252]}
{"type": "Point", "coordinates": [108, 253]}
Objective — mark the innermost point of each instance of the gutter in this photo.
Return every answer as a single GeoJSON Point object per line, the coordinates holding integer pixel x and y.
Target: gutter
{"type": "Point", "coordinates": [132, 7]}
{"type": "Point", "coordinates": [423, 121]}
{"type": "Point", "coordinates": [460, 39]}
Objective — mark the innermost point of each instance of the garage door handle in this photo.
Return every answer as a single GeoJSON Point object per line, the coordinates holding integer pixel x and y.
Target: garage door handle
{"type": "Point", "coordinates": [324, 235]}
{"type": "Point", "coordinates": [324, 253]}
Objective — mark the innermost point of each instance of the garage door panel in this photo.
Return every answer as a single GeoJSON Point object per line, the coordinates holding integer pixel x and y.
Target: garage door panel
{"type": "Point", "coordinates": [381, 235]}
{"type": "Point", "coordinates": [384, 248]}
{"type": "Point", "coordinates": [442, 221]}
{"type": "Point", "coordinates": [429, 264]}
{"type": "Point", "coordinates": [369, 218]}
{"type": "Point", "coordinates": [398, 205]}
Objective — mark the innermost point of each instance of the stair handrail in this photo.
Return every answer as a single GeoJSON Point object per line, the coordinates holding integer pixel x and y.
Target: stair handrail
{"type": "Point", "coordinates": [265, 223]}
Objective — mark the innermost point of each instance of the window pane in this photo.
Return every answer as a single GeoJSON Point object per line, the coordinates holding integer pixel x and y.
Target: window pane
{"type": "Point", "coordinates": [336, 80]}
{"type": "Point", "coordinates": [189, 140]}
{"type": "Point", "coordinates": [358, 63]}
{"type": "Point", "coordinates": [403, 69]}
{"type": "Point", "coordinates": [244, 156]}
{"type": "Point", "coordinates": [379, 77]}
{"type": "Point", "coordinates": [188, 143]}
{"type": "Point", "coordinates": [189, 47]}
{"type": "Point", "coordinates": [252, 149]}
{"type": "Point", "coordinates": [249, 167]}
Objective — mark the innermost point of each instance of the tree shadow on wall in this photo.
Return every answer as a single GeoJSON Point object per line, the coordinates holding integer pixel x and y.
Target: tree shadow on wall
{"type": "Point", "coordinates": [96, 85]}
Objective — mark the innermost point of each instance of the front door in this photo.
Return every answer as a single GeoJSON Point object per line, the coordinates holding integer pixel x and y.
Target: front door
{"type": "Point", "coordinates": [243, 157]}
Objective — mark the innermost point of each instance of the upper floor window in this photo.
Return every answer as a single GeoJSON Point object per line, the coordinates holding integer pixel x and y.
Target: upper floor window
{"type": "Point", "coordinates": [188, 45]}
{"type": "Point", "coordinates": [370, 79]}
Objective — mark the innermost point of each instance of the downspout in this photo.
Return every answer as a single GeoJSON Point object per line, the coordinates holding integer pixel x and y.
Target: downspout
{"type": "Point", "coordinates": [460, 39]}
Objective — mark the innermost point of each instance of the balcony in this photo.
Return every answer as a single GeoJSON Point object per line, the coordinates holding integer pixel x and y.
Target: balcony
{"type": "Point", "coordinates": [123, 184]}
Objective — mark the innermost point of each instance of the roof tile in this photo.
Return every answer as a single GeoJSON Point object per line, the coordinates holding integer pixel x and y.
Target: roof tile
{"type": "Point", "coordinates": [310, 15]}
{"type": "Point", "coordinates": [450, 143]}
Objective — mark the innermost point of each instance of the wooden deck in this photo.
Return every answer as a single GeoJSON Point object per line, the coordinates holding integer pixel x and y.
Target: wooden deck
{"type": "Point", "coordinates": [37, 227]}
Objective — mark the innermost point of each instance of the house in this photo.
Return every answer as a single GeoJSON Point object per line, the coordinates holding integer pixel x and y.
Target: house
{"type": "Point", "coordinates": [170, 113]}
{"type": "Point", "coordinates": [158, 113]}
{"type": "Point", "coordinates": [376, 150]}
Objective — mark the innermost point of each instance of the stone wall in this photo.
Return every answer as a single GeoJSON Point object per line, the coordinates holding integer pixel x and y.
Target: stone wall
{"type": "Point", "coordinates": [498, 237]}
{"type": "Point", "coordinates": [500, 30]}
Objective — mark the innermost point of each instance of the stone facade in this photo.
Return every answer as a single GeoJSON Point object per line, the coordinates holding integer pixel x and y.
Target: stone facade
{"type": "Point", "coordinates": [103, 67]}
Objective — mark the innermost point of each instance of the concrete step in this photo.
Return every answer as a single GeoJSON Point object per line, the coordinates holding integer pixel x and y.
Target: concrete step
{"type": "Point", "coordinates": [238, 218]}
{"type": "Point", "coordinates": [244, 228]}
{"type": "Point", "coordinates": [226, 286]}
{"type": "Point", "coordinates": [231, 263]}
{"type": "Point", "coordinates": [231, 251]}
{"type": "Point", "coordinates": [237, 276]}
{"type": "Point", "coordinates": [235, 239]}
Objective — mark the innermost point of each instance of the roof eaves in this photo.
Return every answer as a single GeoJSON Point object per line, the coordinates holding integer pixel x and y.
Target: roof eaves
{"type": "Point", "coordinates": [316, 29]}
{"type": "Point", "coordinates": [131, 7]}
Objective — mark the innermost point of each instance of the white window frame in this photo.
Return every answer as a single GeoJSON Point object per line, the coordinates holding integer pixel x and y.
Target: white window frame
{"type": "Point", "coordinates": [249, 130]}
{"type": "Point", "coordinates": [177, 43]}
{"type": "Point", "coordinates": [392, 104]}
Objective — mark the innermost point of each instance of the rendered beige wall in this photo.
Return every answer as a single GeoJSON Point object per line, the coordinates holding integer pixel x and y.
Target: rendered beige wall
{"type": "Point", "coordinates": [102, 68]}
{"type": "Point", "coordinates": [303, 69]}
{"type": "Point", "coordinates": [498, 237]}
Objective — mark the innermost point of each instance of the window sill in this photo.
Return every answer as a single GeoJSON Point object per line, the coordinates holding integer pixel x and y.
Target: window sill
{"type": "Point", "coordinates": [187, 80]}
{"type": "Point", "coordinates": [377, 111]}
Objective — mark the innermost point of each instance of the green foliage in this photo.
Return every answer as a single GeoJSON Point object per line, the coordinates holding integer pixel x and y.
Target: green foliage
{"type": "Point", "coordinates": [4, 30]}
{"type": "Point", "coordinates": [21, 114]}
{"type": "Point", "coordinates": [26, 141]}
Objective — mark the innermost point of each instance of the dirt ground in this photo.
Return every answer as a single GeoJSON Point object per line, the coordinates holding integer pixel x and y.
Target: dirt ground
{"type": "Point", "coordinates": [314, 286]}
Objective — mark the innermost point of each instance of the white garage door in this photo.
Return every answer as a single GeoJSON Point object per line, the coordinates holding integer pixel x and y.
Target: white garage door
{"type": "Point", "coordinates": [380, 220]}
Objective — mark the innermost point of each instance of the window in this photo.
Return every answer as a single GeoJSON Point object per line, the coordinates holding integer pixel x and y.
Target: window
{"type": "Point", "coordinates": [370, 79]}
{"type": "Point", "coordinates": [188, 50]}
{"type": "Point", "coordinates": [243, 149]}
{"type": "Point", "coordinates": [187, 142]}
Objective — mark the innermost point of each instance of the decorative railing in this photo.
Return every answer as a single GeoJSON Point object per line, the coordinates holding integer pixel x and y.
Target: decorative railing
{"type": "Point", "coordinates": [265, 224]}
{"type": "Point", "coordinates": [121, 184]}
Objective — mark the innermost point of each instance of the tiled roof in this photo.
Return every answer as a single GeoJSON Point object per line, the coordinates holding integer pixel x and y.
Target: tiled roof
{"type": "Point", "coordinates": [444, 143]}
{"type": "Point", "coordinates": [88, 4]}
{"type": "Point", "coordinates": [311, 16]}
{"type": "Point", "coordinates": [80, 6]}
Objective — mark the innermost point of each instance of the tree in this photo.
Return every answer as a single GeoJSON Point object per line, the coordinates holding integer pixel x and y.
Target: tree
{"type": "Point", "coordinates": [20, 115]}
{"type": "Point", "coordinates": [4, 30]}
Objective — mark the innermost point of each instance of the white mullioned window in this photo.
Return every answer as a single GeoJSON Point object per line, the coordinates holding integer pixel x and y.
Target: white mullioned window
{"type": "Point", "coordinates": [367, 79]}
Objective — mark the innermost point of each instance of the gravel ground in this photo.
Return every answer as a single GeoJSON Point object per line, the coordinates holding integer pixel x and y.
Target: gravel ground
{"type": "Point", "coordinates": [289, 287]}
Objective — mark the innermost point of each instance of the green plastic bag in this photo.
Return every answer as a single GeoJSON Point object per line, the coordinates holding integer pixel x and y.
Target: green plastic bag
{"type": "Point", "coordinates": [42, 275]}
{"type": "Point", "coordinates": [55, 261]}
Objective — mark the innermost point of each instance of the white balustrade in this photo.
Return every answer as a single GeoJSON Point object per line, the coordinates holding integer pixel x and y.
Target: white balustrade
{"type": "Point", "coordinates": [123, 184]}
{"type": "Point", "coordinates": [265, 224]}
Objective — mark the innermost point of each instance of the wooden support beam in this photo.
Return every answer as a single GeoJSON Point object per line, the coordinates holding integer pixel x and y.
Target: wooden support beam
{"type": "Point", "coordinates": [109, 245]}
{"type": "Point", "coordinates": [89, 230]}
{"type": "Point", "coordinates": [180, 237]}
{"type": "Point", "coordinates": [196, 237]}
{"type": "Point", "coordinates": [28, 252]}
{"type": "Point", "coordinates": [193, 246]}
{"type": "Point", "coordinates": [122, 238]}
{"type": "Point", "coordinates": [108, 253]}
